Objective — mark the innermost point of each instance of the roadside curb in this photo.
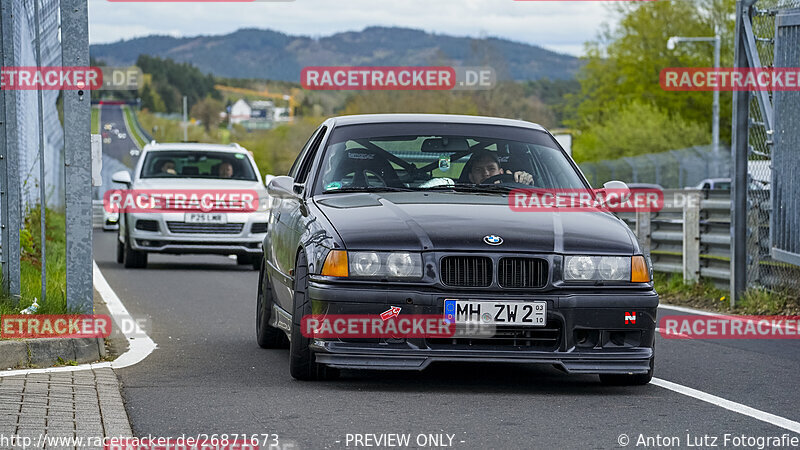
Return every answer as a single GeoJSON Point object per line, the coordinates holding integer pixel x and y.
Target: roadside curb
{"type": "Point", "coordinates": [46, 352]}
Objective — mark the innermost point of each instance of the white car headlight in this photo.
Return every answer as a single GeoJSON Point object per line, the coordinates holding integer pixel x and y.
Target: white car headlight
{"type": "Point", "coordinates": [263, 204]}
{"type": "Point", "coordinates": [594, 268]}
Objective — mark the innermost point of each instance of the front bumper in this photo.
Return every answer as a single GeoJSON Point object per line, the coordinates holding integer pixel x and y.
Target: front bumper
{"type": "Point", "coordinates": [586, 332]}
{"type": "Point", "coordinates": [239, 239]}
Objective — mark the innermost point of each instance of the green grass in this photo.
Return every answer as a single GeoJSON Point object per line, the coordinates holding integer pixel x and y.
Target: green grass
{"type": "Point", "coordinates": [30, 269]}
{"type": "Point", "coordinates": [704, 295]}
{"type": "Point", "coordinates": [95, 120]}
{"type": "Point", "coordinates": [132, 128]}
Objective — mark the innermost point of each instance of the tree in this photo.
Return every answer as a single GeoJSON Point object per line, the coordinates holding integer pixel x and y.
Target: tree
{"type": "Point", "coordinates": [623, 65]}
{"type": "Point", "coordinates": [208, 111]}
{"type": "Point", "coordinates": [639, 128]}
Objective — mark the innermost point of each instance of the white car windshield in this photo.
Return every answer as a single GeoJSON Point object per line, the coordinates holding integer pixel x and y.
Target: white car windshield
{"type": "Point", "coordinates": [198, 164]}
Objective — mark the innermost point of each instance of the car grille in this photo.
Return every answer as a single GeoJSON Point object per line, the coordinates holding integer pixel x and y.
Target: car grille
{"type": "Point", "coordinates": [466, 271]}
{"type": "Point", "coordinates": [205, 228]}
{"type": "Point", "coordinates": [522, 272]}
{"type": "Point", "coordinates": [147, 225]}
{"type": "Point", "coordinates": [259, 227]}
{"type": "Point", "coordinates": [547, 338]}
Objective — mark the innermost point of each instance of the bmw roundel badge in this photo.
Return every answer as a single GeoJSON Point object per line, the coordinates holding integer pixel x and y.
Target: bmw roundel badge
{"type": "Point", "coordinates": [493, 239]}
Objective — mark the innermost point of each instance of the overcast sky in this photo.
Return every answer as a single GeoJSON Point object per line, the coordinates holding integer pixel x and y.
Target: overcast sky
{"type": "Point", "coordinates": [558, 26]}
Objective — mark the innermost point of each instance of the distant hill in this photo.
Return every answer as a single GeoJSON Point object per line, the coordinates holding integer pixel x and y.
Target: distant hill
{"type": "Point", "coordinates": [266, 54]}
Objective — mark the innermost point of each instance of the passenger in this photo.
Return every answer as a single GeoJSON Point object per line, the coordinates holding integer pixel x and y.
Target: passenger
{"type": "Point", "coordinates": [226, 170]}
{"type": "Point", "coordinates": [168, 167]}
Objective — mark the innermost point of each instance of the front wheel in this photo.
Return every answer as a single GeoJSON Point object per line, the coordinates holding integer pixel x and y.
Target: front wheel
{"type": "Point", "coordinates": [266, 335]}
{"type": "Point", "coordinates": [134, 259]}
{"type": "Point", "coordinates": [120, 251]}
{"type": "Point", "coordinates": [301, 359]}
{"type": "Point", "coordinates": [251, 260]}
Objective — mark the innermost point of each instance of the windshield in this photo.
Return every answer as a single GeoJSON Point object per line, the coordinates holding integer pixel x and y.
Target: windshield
{"type": "Point", "coordinates": [198, 164]}
{"type": "Point", "coordinates": [443, 156]}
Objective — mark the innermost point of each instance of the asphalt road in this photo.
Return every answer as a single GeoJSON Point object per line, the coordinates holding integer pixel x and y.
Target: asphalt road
{"type": "Point", "coordinates": [119, 149]}
{"type": "Point", "coordinates": [209, 376]}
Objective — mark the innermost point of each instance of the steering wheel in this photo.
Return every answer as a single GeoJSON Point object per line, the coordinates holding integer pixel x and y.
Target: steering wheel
{"type": "Point", "coordinates": [503, 178]}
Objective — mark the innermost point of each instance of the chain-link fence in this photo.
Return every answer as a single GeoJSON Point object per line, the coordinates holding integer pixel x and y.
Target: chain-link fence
{"type": "Point", "coordinates": [40, 164]}
{"type": "Point", "coordinates": [759, 41]}
{"type": "Point", "coordinates": [32, 129]}
{"type": "Point", "coordinates": [674, 169]}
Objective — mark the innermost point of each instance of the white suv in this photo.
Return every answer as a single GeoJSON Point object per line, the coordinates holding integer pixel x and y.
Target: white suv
{"type": "Point", "coordinates": [181, 168]}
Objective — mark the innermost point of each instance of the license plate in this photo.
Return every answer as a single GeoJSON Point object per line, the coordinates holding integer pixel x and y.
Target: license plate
{"type": "Point", "coordinates": [205, 218]}
{"type": "Point", "coordinates": [482, 312]}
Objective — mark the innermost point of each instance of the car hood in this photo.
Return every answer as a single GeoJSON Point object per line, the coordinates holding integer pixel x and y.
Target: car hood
{"type": "Point", "coordinates": [199, 183]}
{"type": "Point", "coordinates": [460, 221]}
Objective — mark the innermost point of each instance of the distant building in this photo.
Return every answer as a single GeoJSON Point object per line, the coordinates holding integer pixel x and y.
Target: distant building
{"type": "Point", "coordinates": [258, 114]}
{"type": "Point", "coordinates": [240, 111]}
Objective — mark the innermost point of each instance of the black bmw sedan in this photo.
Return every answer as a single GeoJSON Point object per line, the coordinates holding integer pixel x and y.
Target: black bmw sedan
{"type": "Point", "coordinates": [391, 218]}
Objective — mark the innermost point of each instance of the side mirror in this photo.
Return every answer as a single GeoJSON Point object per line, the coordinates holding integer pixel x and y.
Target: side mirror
{"type": "Point", "coordinates": [615, 189]}
{"type": "Point", "coordinates": [267, 179]}
{"type": "Point", "coordinates": [123, 176]}
{"type": "Point", "coordinates": [281, 187]}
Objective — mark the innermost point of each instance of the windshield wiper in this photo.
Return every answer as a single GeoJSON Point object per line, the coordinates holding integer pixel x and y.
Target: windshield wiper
{"type": "Point", "coordinates": [462, 187]}
{"type": "Point", "coordinates": [368, 189]}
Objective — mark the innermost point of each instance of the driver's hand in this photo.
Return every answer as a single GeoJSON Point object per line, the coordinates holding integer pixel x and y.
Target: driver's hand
{"type": "Point", "coordinates": [522, 177]}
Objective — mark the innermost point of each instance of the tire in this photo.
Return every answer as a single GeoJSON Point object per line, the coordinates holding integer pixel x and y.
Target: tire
{"type": "Point", "coordinates": [639, 379]}
{"type": "Point", "coordinates": [266, 335]}
{"type": "Point", "coordinates": [301, 359]}
{"type": "Point", "coordinates": [120, 251]}
{"type": "Point", "coordinates": [253, 260]}
{"type": "Point", "coordinates": [134, 259]}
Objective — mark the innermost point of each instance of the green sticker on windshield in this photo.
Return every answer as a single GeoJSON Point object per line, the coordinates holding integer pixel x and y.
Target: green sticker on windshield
{"type": "Point", "coordinates": [333, 186]}
{"type": "Point", "coordinates": [239, 156]}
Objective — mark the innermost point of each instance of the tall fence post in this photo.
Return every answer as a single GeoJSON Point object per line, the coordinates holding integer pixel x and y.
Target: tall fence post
{"type": "Point", "coordinates": [643, 231]}
{"type": "Point", "coordinates": [10, 206]}
{"type": "Point", "coordinates": [691, 239]}
{"type": "Point", "coordinates": [739, 150]}
{"type": "Point", "coordinates": [77, 158]}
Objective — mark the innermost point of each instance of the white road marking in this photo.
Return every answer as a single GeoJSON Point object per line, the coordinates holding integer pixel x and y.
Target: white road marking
{"type": "Point", "coordinates": [729, 405]}
{"type": "Point", "coordinates": [140, 344]}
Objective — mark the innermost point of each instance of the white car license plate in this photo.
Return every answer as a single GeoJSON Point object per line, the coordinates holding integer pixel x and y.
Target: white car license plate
{"type": "Point", "coordinates": [205, 218]}
{"type": "Point", "coordinates": [484, 312]}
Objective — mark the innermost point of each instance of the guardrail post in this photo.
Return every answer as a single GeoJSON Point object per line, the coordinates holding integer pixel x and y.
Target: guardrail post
{"type": "Point", "coordinates": [10, 206]}
{"type": "Point", "coordinates": [77, 159]}
{"type": "Point", "coordinates": [691, 238]}
{"type": "Point", "coordinates": [643, 230]}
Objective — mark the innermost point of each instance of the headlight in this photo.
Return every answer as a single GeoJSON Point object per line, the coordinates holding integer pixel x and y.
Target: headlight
{"type": "Point", "coordinates": [263, 204]}
{"type": "Point", "coordinates": [580, 268]}
{"type": "Point", "coordinates": [402, 265]}
{"type": "Point", "coordinates": [365, 264]}
{"type": "Point", "coordinates": [594, 268]}
{"type": "Point", "coordinates": [391, 265]}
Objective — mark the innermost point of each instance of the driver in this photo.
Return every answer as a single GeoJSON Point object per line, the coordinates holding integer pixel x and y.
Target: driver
{"type": "Point", "coordinates": [486, 165]}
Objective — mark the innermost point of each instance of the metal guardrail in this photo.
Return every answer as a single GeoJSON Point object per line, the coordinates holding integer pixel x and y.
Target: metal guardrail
{"type": "Point", "coordinates": [701, 249]}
